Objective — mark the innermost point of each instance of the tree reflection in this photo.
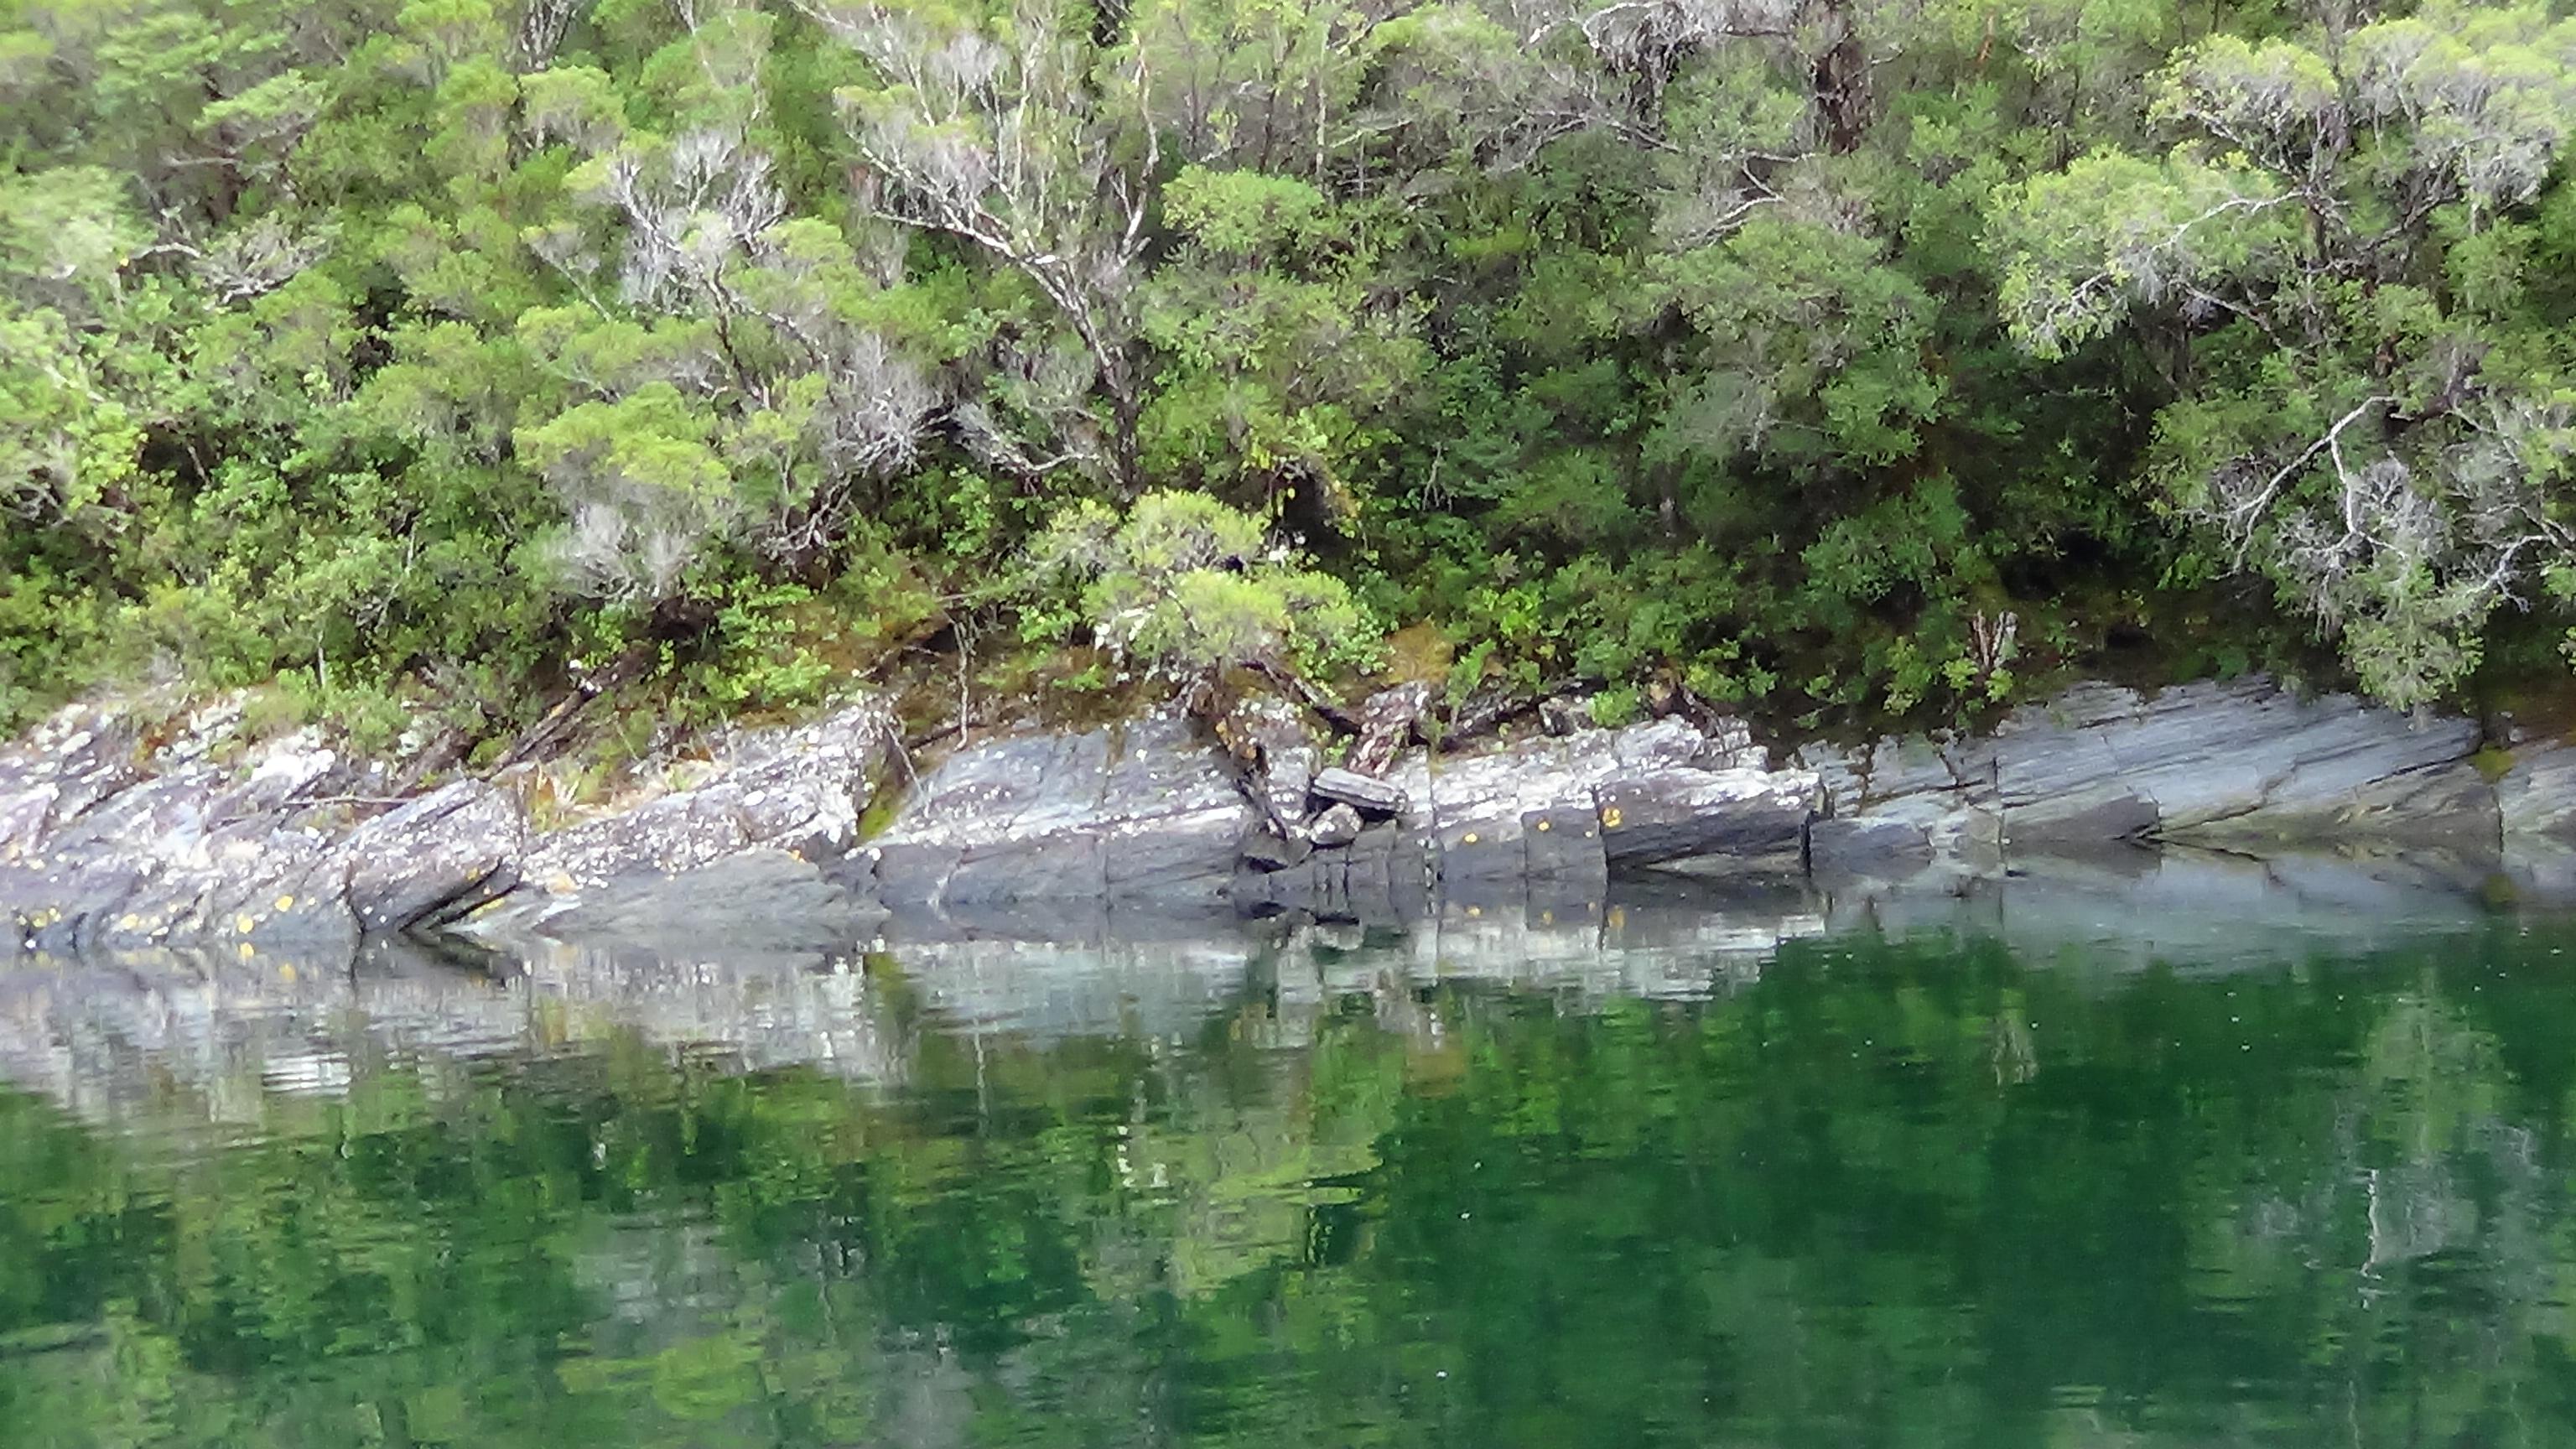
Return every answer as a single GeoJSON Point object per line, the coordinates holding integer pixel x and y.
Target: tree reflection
{"type": "Point", "coordinates": [1888, 1193]}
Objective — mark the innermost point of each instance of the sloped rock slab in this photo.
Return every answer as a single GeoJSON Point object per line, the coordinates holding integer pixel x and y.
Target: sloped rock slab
{"type": "Point", "coordinates": [108, 841]}
{"type": "Point", "coordinates": [2241, 762]}
{"type": "Point", "coordinates": [433, 859]}
{"type": "Point", "coordinates": [2231, 760]}
{"type": "Point", "coordinates": [2537, 794]}
{"type": "Point", "coordinates": [800, 790]}
{"type": "Point", "coordinates": [1147, 811]}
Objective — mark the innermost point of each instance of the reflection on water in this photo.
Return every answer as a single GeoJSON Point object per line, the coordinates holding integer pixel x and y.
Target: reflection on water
{"type": "Point", "coordinates": [2134, 1152]}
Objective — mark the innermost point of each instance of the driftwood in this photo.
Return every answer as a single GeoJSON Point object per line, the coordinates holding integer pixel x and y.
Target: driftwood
{"type": "Point", "coordinates": [1274, 754]}
{"type": "Point", "coordinates": [1313, 696]}
{"type": "Point", "coordinates": [1387, 724]}
{"type": "Point", "coordinates": [1486, 711]}
{"type": "Point", "coordinates": [557, 725]}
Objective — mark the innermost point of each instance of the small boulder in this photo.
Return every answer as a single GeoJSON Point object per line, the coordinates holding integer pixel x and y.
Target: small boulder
{"type": "Point", "coordinates": [1361, 792]}
{"type": "Point", "coordinates": [1339, 825]}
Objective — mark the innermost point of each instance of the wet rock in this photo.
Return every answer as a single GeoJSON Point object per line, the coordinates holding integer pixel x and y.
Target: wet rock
{"type": "Point", "coordinates": [437, 857]}
{"type": "Point", "coordinates": [2240, 759]}
{"type": "Point", "coordinates": [1535, 810]}
{"type": "Point", "coordinates": [2243, 762]}
{"type": "Point", "coordinates": [1658, 773]}
{"type": "Point", "coordinates": [1868, 845]}
{"type": "Point", "coordinates": [2537, 793]}
{"type": "Point", "coordinates": [1563, 843]}
{"type": "Point", "coordinates": [1265, 849]}
{"type": "Point", "coordinates": [760, 900]}
{"type": "Point", "coordinates": [1386, 873]}
{"type": "Point", "coordinates": [128, 829]}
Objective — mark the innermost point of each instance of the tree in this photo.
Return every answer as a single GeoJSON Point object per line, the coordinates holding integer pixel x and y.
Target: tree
{"type": "Point", "coordinates": [1015, 140]}
{"type": "Point", "coordinates": [1186, 588]}
{"type": "Point", "coordinates": [1281, 339]}
{"type": "Point", "coordinates": [2338, 254]}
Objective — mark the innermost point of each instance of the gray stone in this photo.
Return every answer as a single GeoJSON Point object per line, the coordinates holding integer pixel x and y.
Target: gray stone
{"type": "Point", "coordinates": [2243, 763]}
{"type": "Point", "coordinates": [1068, 865]}
{"type": "Point", "coordinates": [799, 789]}
{"type": "Point", "coordinates": [2236, 760]}
{"type": "Point", "coordinates": [438, 856]}
{"type": "Point", "coordinates": [755, 901]}
{"type": "Point", "coordinates": [1563, 843]}
{"type": "Point", "coordinates": [1864, 845]}
{"type": "Point", "coordinates": [1749, 818]}
{"type": "Point", "coordinates": [2110, 811]}
{"type": "Point", "coordinates": [107, 840]}
{"type": "Point", "coordinates": [114, 834]}
{"type": "Point", "coordinates": [1349, 787]}
{"type": "Point", "coordinates": [1338, 825]}
{"type": "Point", "coordinates": [1147, 811]}
{"type": "Point", "coordinates": [2537, 793]}
{"type": "Point", "coordinates": [1265, 849]}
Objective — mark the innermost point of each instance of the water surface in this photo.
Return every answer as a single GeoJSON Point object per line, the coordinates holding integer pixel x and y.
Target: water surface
{"type": "Point", "coordinates": [2264, 1164]}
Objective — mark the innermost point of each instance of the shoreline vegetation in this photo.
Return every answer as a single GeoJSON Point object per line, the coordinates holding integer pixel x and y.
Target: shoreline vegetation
{"type": "Point", "coordinates": [564, 380]}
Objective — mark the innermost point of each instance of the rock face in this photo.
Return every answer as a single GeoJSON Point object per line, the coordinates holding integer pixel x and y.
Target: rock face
{"type": "Point", "coordinates": [751, 853]}
{"type": "Point", "coordinates": [111, 836]}
{"type": "Point", "coordinates": [195, 833]}
{"type": "Point", "coordinates": [798, 790]}
{"type": "Point", "coordinates": [436, 858]}
{"type": "Point", "coordinates": [1559, 808]}
{"type": "Point", "coordinates": [2241, 763]}
{"type": "Point", "coordinates": [1146, 810]}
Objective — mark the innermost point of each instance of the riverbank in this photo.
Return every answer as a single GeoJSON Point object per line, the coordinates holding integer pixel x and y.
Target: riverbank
{"type": "Point", "coordinates": [121, 831]}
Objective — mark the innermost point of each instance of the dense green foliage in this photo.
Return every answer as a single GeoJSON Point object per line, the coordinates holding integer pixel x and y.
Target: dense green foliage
{"type": "Point", "coordinates": [1848, 357]}
{"type": "Point", "coordinates": [1887, 1195]}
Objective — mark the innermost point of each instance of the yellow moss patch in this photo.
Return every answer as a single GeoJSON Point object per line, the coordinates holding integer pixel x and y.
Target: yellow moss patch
{"type": "Point", "coordinates": [1418, 652]}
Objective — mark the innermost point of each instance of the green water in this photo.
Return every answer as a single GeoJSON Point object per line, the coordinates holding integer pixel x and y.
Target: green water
{"type": "Point", "coordinates": [1861, 1191]}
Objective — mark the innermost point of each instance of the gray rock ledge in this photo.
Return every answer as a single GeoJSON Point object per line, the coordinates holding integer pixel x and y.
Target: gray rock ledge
{"type": "Point", "coordinates": [197, 835]}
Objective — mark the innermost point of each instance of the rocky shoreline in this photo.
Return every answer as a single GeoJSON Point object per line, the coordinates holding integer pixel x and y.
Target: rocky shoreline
{"type": "Point", "coordinates": [118, 835]}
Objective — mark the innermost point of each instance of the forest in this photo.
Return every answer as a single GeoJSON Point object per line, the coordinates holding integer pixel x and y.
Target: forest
{"type": "Point", "coordinates": [1837, 361]}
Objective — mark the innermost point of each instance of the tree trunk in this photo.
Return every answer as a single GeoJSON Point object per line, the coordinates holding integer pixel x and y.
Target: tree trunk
{"type": "Point", "coordinates": [1842, 86]}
